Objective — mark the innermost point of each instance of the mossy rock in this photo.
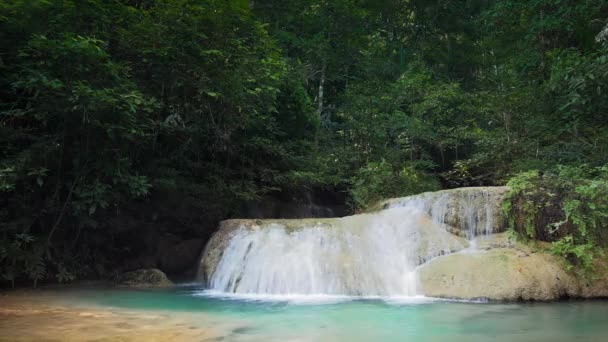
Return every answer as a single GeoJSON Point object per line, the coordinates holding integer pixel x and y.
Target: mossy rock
{"type": "Point", "coordinates": [143, 278]}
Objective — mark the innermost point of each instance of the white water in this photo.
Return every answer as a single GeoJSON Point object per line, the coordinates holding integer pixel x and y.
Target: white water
{"type": "Point", "coordinates": [307, 299]}
{"type": "Point", "coordinates": [362, 255]}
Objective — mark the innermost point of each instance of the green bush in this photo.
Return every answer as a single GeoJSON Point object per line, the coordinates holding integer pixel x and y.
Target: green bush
{"type": "Point", "coordinates": [575, 254]}
{"type": "Point", "coordinates": [377, 181]}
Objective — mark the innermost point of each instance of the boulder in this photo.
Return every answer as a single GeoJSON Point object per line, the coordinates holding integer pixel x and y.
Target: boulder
{"type": "Point", "coordinates": [143, 278]}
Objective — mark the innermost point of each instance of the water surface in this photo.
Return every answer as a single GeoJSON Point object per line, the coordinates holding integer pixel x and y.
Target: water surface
{"type": "Point", "coordinates": [326, 318]}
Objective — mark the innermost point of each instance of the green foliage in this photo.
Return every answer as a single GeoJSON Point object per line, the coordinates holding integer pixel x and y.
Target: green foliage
{"type": "Point", "coordinates": [575, 254]}
{"type": "Point", "coordinates": [101, 102]}
{"type": "Point", "coordinates": [377, 181]}
{"type": "Point", "coordinates": [568, 206]}
{"type": "Point", "coordinates": [525, 199]}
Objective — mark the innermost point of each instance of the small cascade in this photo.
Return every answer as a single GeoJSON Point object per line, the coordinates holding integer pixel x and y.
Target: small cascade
{"type": "Point", "coordinates": [468, 212]}
{"type": "Point", "coordinates": [371, 254]}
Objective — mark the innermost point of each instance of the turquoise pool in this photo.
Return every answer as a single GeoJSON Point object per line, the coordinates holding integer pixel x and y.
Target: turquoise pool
{"type": "Point", "coordinates": [322, 318]}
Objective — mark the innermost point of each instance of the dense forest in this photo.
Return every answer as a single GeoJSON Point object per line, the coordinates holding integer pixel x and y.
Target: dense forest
{"type": "Point", "coordinates": [109, 107]}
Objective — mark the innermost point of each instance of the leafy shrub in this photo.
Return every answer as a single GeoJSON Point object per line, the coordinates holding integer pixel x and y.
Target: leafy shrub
{"type": "Point", "coordinates": [377, 181]}
{"type": "Point", "coordinates": [576, 254]}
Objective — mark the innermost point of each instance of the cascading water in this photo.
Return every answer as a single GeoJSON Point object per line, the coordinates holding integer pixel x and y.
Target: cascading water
{"type": "Point", "coordinates": [373, 254]}
{"type": "Point", "coordinates": [468, 212]}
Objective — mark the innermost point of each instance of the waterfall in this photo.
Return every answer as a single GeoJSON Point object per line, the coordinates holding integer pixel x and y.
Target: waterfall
{"type": "Point", "coordinates": [371, 254]}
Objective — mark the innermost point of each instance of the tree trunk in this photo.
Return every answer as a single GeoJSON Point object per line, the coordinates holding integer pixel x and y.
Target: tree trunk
{"type": "Point", "coordinates": [320, 99]}
{"type": "Point", "coordinates": [321, 90]}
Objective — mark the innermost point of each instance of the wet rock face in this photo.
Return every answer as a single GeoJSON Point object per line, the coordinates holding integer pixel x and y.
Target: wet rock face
{"type": "Point", "coordinates": [143, 278]}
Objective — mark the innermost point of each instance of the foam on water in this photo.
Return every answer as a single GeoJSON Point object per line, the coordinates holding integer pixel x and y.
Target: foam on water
{"type": "Point", "coordinates": [314, 299]}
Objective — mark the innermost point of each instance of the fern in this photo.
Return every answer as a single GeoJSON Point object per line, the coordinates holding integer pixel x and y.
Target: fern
{"type": "Point", "coordinates": [35, 267]}
{"type": "Point", "coordinates": [63, 275]}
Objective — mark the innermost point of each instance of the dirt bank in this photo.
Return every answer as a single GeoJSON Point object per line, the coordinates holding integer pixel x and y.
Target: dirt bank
{"type": "Point", "coordinates": [44, 316]}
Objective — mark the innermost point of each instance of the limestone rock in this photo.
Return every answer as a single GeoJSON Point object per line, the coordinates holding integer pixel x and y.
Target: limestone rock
{"type": "Point", "coordinates": [506, 274]}
{"type": "Point", "coordinates": [212, 253]}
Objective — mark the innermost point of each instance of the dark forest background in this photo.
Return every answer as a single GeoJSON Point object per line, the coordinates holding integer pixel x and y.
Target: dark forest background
{"type": "Point", "coordinates": [129, 125]}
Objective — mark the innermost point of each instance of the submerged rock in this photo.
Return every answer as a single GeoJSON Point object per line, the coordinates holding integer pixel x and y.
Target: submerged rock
{"type": "Point", "coordinates": [143, 278]}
